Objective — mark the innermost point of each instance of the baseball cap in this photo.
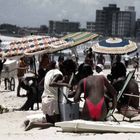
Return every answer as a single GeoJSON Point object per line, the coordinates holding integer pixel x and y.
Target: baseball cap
{"type": "Point", "coordinates": [100, 66]}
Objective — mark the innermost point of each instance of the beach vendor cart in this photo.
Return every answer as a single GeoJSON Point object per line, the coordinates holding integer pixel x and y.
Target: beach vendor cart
{"type": "Point", "coordinates": [8, 74]}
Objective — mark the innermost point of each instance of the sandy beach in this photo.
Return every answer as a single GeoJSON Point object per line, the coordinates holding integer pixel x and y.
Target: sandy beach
{"type": "Point", "coordinates": [11, 124]}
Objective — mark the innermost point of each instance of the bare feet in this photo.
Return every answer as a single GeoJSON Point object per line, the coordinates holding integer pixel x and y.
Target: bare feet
{"type": "Point", "coordinates": [26, 122]}
{"type": "Point", "coordinates": [29, 126]}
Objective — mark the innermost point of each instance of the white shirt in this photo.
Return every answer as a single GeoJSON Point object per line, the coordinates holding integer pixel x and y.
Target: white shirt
{"type": "Point", "coordinates": [48, 90]}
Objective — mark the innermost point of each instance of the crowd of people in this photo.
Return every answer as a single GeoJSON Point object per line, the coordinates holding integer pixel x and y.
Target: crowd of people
{"type": "Point", "coordinates": [100, 94]}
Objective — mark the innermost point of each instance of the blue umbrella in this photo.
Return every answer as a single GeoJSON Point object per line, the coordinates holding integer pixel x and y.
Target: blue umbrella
{"type": "Point", "coordinates": [114, 46]}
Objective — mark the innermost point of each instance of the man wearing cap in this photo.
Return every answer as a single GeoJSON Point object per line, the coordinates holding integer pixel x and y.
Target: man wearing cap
{"type": "Point", "coordinates": [99, 69]}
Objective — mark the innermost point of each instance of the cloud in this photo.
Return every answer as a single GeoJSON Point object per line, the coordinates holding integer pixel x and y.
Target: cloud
{"type": "Point", "coordinates": [38, 12]}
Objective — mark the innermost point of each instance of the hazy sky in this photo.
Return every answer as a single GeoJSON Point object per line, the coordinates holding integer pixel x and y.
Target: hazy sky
{"type": "Point", "coordinates": [34, 13]}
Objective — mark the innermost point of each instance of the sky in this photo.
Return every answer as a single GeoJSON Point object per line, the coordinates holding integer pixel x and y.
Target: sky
{"type": "Point", "coordinates": [33, 13]}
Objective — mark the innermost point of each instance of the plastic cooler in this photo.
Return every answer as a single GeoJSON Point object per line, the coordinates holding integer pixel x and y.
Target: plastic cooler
{"type": "Point", "coordinates": [68, 111]}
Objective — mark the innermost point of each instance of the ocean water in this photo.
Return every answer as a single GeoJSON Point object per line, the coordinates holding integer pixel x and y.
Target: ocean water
{"type": "Point", "coordinates": [80, 52]}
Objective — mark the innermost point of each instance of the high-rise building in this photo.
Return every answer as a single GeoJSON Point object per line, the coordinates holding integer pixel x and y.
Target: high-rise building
{"type": "Point", "coordinates": [123, 23]}
{"type": "Point", "coordinates": [112, 22]}
{"type": "Point", "coordinates": [90, 26]}
{"type": "Point", "coordinates": [137, 28]}
{"type": "Point", "coordinates": [104, 19]}
{"type": "Point", "coordinates": [63, 27]}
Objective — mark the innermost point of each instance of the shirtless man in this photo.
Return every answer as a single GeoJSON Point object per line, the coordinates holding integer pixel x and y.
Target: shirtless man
{"type": "Point", "coordinates": [94, 88]}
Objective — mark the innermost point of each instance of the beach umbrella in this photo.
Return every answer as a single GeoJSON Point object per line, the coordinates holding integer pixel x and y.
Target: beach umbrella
{"type": "Point", "coordinates": [79, 38]}
{"type": "Point", "coordinates": [114, 46]}
{"type": "Point", "coordinates": [32, 45]}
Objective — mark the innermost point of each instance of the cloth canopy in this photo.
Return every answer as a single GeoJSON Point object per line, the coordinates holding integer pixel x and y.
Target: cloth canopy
{"type": "Point", "coordinates": [114, 46]}
{"type": "Point", "coordinates": [79, 38]}
{"type": "Point", "coordinates": [31, 45]}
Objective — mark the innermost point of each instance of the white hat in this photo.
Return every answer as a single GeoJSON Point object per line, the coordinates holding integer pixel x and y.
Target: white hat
{"type": "Point", "coordinates": [100, 66]}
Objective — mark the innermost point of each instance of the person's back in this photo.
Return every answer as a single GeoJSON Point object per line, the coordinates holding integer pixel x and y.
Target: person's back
{"type": "Point", "coordinates": [95, 107]}
{"type": "Point", "coordinates": [22, 67]}
{"type": "Point", "coordinates": [96, 84]}
{"type": "Point", "coordinates": [50, 91]}
{"type": "Point", "coordinates": [118, 69]}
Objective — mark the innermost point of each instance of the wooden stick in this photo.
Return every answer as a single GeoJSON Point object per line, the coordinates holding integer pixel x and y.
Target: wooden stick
{"type": "Point", "coordinates": [132, 95]}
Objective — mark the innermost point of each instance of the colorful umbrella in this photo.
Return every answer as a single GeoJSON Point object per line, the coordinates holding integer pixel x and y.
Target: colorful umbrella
{"type": "Point", "coordinates": [31, 45]}
{"type": "Point", "coordinates": [79, 38]}
{"type": "Point", "coordinates": [71, 40]}
{"type": "Point", "coordinates": [114, 46]}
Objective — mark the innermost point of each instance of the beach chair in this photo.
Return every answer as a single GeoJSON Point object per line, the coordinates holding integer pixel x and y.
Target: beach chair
{"type": "Point", "coordinates": [128, 78]}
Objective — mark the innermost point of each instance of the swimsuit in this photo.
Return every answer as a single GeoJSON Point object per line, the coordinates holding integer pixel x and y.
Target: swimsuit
{"type": "Point", "coordinates": [94, 110]}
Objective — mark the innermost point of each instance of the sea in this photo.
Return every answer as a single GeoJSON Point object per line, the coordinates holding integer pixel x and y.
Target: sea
{"type": "Point", "coordinates": [79, 51]}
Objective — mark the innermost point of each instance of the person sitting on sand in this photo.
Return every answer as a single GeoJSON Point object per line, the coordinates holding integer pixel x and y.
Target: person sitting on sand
{"type": "Point", "coordinates": [93, 87]}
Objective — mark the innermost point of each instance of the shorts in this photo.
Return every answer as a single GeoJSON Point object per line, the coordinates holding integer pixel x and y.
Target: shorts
{"type": "Point", "coordinates": [50, 106]}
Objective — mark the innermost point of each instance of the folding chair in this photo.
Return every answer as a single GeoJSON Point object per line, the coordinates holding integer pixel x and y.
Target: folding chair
{"type": "Point", "coordinates": [132, 111]}
{"type": "Point", "coordinates": [128, 78]}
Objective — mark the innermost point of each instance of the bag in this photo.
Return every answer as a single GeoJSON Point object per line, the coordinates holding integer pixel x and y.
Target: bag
{"type": "Point", "coordinates": [129, 111]}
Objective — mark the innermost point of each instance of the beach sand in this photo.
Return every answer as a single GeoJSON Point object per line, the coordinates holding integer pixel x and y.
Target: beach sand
{"type": "Point", "coordinates": [11, 124]}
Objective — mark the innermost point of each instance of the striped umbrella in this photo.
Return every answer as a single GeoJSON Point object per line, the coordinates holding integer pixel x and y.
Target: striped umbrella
{"type": "Point", "coordinates": [79, 38]}
{"type": "Point", "coordinates": [71, 40]}
{"type": "Point", "coordinates": [114, 46]}
{"type": "Point", "coordinates": [31, 45]}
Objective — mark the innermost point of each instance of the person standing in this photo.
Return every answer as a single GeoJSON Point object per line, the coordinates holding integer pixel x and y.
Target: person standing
{"type": "Point", "coordinates": [136, 62]}
{"type": "Point", "coordinates": [21, 70]}
{"type": "Point", "coordinates": [126, 60]}
{"type": "Point", "coordinates": [1, 64]}
{"type": "Point", "coordinates": [112, 56]}
{"type": "Point", "coordinates": [90, 58]}
{"type": "Point", "coordinates": [101, 59]}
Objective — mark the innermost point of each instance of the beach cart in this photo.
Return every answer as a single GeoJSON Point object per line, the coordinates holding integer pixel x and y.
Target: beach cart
{"type": "Point", "coordinates": [8, 74]}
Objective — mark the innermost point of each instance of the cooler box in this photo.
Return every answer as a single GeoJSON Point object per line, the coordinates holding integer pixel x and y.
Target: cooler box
{"type": "Point", "coordinates": [9, 68]}
{"type": "Point", "coordinates": [69, 111]}
{"type": "Point", "coordinates": [10, 64]}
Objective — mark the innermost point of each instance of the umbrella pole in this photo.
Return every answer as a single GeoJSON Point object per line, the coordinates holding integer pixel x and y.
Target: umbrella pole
{"type": "Point", "coordinates": [34, 61]}
{"type": "Point", "coordinates": [36, 84]}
